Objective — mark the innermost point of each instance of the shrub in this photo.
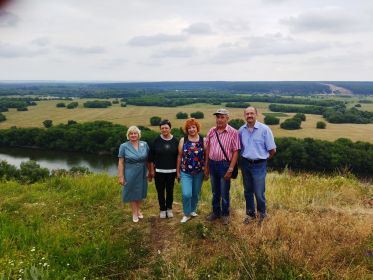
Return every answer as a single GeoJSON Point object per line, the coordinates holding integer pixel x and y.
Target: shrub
{"type": "Point", "coordinates": [123, 104]}
{"type": "Point", "coordinates": [116, 101]}
{"type": "Point", "coordinates": [271, 120]}
{"type": "Point", "coordinates": [60, 105]}
{"type": "Point", "coordinates": [358, 105]}
{"type": "Point", "coordinates": [155, 120]}
{"type": "Point", "coordinates": [2, 117]}
{"type": "Point", "coordinates": [48, 123]}
{"type": "Point", "coordinates": [71, 122]}
{"type": "Point", "coordinates": [181, 115]}
{"type": "Point", "coordinates": [197, 115]}
{"type": "Point", "coordinates": [72, 105]}
{"type": "Point", "coordinates": [8, 171]}
{"type": "Point", "coordinates": [321, 125]}
{"type": "Point", "coordinates": [236, 123]}
{"type": "Point", "coordinates": [31, 172]}
{"type": "Point", "coordinates": [300, 116]}
{"type": "Point", "coordinates": [21, 109]}
{"type": "Point", "coordinates": [291, 124]}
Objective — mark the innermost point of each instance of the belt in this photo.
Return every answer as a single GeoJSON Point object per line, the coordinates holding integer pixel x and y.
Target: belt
{"type": "Point", "coordinates": [254, 160]}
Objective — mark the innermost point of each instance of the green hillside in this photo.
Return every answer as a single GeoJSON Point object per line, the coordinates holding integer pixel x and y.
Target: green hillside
{"type": "Point", "coordinates": [75, 227]}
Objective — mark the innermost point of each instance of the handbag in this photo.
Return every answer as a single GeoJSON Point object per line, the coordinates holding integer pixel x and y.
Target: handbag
{"type": "Point", "coordinates": [235, 169]}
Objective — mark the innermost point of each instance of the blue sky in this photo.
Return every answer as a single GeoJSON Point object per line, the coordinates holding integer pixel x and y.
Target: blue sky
{"type": "Point", "coordinates": [172, 40]}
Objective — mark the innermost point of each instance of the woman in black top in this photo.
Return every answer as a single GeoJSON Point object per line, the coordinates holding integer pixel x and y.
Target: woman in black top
{"type": "Point", "coordinates": [163, 154]}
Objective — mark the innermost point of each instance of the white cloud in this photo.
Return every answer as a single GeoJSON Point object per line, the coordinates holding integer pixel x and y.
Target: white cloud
{"type": "Point", "coordinates": [82, 50]}
{"type": "Point", "coordinates": [178, 40]}
{"type": "Point", "coordinates": [14, 51]}
{"type": "Point", "coordinates": [144, 41]}
{"type": "Point", "coordinates": [8, 19]}
{"type": "Point", "coordinates": [199, 28]}
{"type": "Point", "coordinates": [175, 52]}
{"type": "Point", "coordinates": [329, 19]}
{"type": "Point", "coordinates": [271, 44]}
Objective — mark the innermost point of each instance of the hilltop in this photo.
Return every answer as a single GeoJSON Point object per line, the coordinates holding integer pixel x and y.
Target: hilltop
{"type": "Point", "coordinates": [75, 227]}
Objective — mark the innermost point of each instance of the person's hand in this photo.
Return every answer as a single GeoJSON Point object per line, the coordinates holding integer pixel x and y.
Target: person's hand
{"type": "Point", "coordinates": [228, 175]}
{"type": "Point", "coordinates": [178, 176]}
{"type": "Point", "coordinates": [121, 180]}
{"type": "Point", "coordinates": [150, 177]}
{"type": "Point", "coordinates": [206, 174]}
{"type": "Point", "coordinates": [151, 174]}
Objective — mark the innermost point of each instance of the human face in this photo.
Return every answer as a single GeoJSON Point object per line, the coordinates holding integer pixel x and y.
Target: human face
{"type": "Point", "coordinates": [192, 130]}
{"type": "Point", "coordinates": [165, 130]}
{"type": "Point", "coordinates": [221, 121]}
{"type": "Point", "coordinates": [250, 115]}
{"type": "Point", "coordinates": [133, 136]}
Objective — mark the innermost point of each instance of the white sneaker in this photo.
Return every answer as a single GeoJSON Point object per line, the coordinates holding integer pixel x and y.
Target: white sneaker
{"type": "Point", "coordinates": [141, 216]}
{"type": "Point", "coordinates": [185, 219]}
{"type": "Point", "coordinates": [162, 215]}
{"type": "Point", "coordinates": [169, 213]}
{"type": "Point", "coordinates": [194, 214]}
{"type": "Point", "coordinates": [135, 219]}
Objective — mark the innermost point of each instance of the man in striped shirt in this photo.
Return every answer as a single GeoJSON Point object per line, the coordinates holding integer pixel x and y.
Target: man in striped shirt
{"type": "Point", "coordinates": [218, 167]}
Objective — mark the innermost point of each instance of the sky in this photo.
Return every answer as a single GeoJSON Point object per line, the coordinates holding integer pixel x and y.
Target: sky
{"type": "Point", "coordinates": [194, 40]}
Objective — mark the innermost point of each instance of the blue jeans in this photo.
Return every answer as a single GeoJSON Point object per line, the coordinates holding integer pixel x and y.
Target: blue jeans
{"type": "Point", "coordinates": [254, 175]}
{"type": "Point", "coordinates": [219, 187]}
{"type": "Point", "coordinates": [191, 189]}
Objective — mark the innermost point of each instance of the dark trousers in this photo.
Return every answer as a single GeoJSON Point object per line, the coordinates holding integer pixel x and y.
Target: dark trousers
{"type": "Point", "coordinates": [164, 182]}
{"type": "Point", "coordinates": [220, 187]}
{"type": "Point", "coordinates": [254, 177]}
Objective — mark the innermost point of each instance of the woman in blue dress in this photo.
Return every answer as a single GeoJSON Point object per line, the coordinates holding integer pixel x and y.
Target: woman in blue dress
{"type": "Point", "coordinates": [133, 169]}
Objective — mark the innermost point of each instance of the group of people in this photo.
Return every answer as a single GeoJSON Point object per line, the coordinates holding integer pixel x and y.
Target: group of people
{"type": "Point", "coordinates": [193, 159]}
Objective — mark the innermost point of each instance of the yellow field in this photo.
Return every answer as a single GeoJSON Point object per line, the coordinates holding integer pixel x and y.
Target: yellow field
{"type": "Point", "coordinates": [140, 115]}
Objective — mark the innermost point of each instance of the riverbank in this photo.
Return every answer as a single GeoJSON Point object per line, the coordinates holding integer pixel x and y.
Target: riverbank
{"type": "Point", "coordinates": [318, 227]}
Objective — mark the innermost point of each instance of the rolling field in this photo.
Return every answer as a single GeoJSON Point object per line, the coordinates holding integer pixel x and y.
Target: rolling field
{"type": "Point", "coordinates": [140, 115]}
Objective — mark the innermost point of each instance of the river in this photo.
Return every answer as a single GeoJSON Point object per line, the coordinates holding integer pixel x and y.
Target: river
{"type": "Point", "coordinates": [60, 160]}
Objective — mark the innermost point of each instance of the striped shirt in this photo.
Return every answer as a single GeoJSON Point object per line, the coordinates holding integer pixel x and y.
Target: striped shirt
{"type": "Point", "coordinates": [229, 139]}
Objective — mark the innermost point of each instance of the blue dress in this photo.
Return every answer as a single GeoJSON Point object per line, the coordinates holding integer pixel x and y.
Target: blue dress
{"type": "Point", "coordinates": [136, 183]}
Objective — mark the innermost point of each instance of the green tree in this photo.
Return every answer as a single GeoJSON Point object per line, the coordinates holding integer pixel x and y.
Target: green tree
{"type": "Point", "coordinates": [60, 105]}
{"type": "Point", "coordinates": [2, 117]}
{"type": "Point", "coordinates": [181, 115]}
{"type": "Point", "coordinates": [300, 116]}
{"type": "Point", "coordinates": [197, 115]}
{"type": "Point", "coordinates": [48, 123]}
{"type": "Point", "coordinates": [155, 120]}
{"type": "Point", "coordinates": [321, 125]}
{"type": "Point", "coordinates": [30, 172]}
{"type": "Point", "coordinates": [271, 120]}
{"type": "Point", "coordinates": [236, 123]}
{"type": "Point", "coordinates": [291, 124]}
{"type": "Point", "coordinates": [72, 105]}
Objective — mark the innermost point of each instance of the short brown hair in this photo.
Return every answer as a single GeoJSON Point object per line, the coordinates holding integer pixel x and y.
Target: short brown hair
{"type": "Point", "coordinates": [189, 122]}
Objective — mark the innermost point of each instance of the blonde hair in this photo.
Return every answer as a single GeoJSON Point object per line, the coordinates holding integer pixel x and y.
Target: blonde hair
{"type": "Point", "coordinates": [133, 128]}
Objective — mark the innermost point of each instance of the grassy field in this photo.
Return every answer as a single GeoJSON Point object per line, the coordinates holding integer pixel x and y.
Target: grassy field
{"type": "Point", "coordinates": [77, 228]}
{"type": "Point", "coordinates": [140, 115]}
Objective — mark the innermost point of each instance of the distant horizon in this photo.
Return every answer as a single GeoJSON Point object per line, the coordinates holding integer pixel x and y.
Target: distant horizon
{"type": "Point", "coordinates": [175, 81]}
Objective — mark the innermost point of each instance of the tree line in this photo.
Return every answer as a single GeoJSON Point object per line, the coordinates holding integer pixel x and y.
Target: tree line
{"type": "Point", "coordinates": [102, 137]}
{"type": "Point", "coordinates": [335, 114]}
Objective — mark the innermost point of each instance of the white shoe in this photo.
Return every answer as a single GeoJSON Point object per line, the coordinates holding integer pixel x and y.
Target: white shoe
{"type": "Point", "coordinates": [141, 216]}
{"type": "Point", "coordinates": [185, 219]}
{"type": "Point", "coordinates": [135, 219]}
{"type": "Point", "coordinates": [169, 213]}
{"type": "Point", "coordinates": [162, 215]}
{"type": "Point", "coordinates": [194, 214]}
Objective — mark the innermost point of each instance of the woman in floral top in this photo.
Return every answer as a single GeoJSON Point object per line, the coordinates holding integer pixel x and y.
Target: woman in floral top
{"type": "Point", "coordinates": [190, 165]}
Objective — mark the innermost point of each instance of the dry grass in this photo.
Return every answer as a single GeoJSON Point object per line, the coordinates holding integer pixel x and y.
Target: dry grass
{"type": "Point", "coordinates": [318, 228]}
{"type": "Point", "coordinates": [140, 115]}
